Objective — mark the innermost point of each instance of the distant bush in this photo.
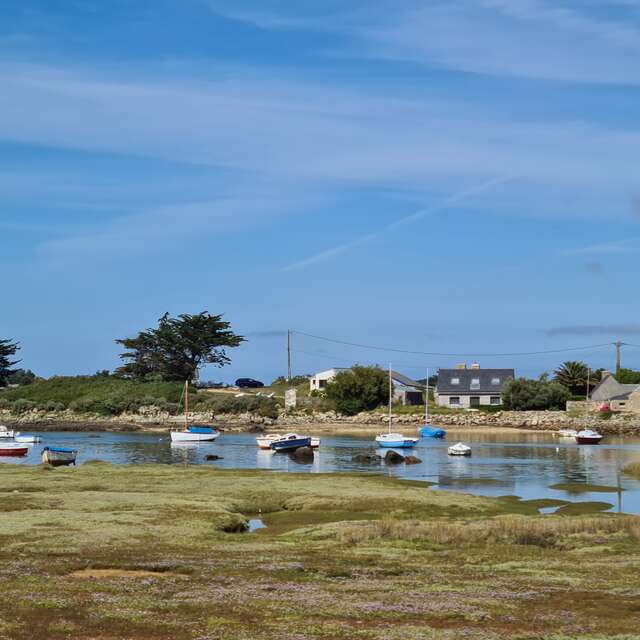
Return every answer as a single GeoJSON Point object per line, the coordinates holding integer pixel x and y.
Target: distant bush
{"type": "Point", "coordinates": [52, 405]}
{"type": "Point", "coordinates": [534, 395]}
{"type": "Point", "coordinates": [23, 406]}
{"type": "Point", "coordinates": [358, 389]}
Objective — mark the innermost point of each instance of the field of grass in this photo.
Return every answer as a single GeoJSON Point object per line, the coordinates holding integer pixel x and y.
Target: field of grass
{"type": "Point", "coordinates": [152, 551]}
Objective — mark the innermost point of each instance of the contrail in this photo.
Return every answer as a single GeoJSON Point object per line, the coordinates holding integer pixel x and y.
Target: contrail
{"type": "Point", "coordinates": [414, 217]}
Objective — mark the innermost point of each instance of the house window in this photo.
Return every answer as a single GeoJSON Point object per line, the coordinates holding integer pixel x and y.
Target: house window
{"type": "Point", "coordinates": [454, 401]}
{"type": "Point", "coordinates": [322, 383]}
{"type": "Point", "coordinates": [495, 381]}
{"type": "Point", "coordinates": [474, 401]}
{"type": "Point", "coordinates": [494, 400]}
{"type": "Point", "coordinates": [475, 383]}
{"type": "Point", "coordinates": [455, 381]}
{"type": "Point", "coordinates": [622, 404]}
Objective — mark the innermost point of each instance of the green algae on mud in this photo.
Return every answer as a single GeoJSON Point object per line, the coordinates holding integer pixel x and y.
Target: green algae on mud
{"type": "Point", "coordinates": [584, 487]}
{"type": "Point", "coordinates": [157, 551]}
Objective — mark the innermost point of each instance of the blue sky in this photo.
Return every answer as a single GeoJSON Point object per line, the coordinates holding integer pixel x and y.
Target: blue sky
{"type": "Point", "coordinates": [453, 176]}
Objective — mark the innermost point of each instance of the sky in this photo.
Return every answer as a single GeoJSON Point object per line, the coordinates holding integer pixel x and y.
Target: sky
{"type": "Point", "coordinates": [442, 177]}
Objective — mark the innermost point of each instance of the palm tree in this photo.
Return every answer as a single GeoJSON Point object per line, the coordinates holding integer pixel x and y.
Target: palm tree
{"type": "Point", "coordinates": [573, 376]}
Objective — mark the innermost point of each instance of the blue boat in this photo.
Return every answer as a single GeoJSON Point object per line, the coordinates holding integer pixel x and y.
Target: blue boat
{"type": "Point", "coordinates": [291, 442]}
{"type": "Point", "coordinates": [395, 441]}
{"type": "Point", "coordinates": [427, 431]}
{"type": "Point", "coordinates": [202, 430]}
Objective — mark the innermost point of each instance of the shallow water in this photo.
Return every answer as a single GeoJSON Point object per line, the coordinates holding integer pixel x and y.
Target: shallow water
{"type": "Point", "coordinates": [505, 463]}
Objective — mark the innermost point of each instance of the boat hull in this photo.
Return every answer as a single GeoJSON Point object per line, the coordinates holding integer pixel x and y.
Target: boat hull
{"type": "Point", "coordinates": [59, 458]}
{"type": "Point", "coordinates": [264, 442]}
{"type": "Point", "coordinates": [396, 444]}
{"type": "Point", "coordinates": [13, 451]}
{"type": "Point", "coordinates": [290, 445]}
{"type": "Point", "coordinates": [588, 439]}
{"type": "Point", "coordinates": [428, 431]}
{"type": "Point", "coordinates": [188, 436]}
{"type": "Point", "coordinates": [28, 439]}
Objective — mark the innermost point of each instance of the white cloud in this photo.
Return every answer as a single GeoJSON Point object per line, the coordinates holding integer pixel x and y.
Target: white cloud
{"type": "Point", "coordinates": [628, 245]}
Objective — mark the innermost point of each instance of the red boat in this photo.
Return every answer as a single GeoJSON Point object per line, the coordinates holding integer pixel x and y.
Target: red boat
{"type": "Point", "coordinates": [586, 436]}
{"type": "Point", "coordinates": [13, 449]}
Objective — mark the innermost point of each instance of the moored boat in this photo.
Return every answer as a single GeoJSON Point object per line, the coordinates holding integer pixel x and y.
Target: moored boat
{"type": "Point", "coordinates": [13, 449]}
{"type": "Point", "coordinates": [427, 431]}
{"type": "Point", "coordinates": [28, 439]}
{"type": "Point", "coordinates": [290, 442]}
{"type": "Point", "coordinates": [567, 433]}
{"type": "Point", "coordinates": [59, 456]}
{"type": "Point", "coordinates": [8, 434]}
{"type": "Point", "coordinates": [459, 449]}
{"type": "Point", "coordinates": [191, 433]}
{"type": "Point", "coordinates": [587, 436]}
{"type": "Point", "coordinates": [395, 441]}
{"type": "Point", "coordinates": [264, 442]}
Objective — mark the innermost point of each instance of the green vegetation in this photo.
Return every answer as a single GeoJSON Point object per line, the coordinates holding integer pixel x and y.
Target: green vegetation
{"type": "Point", "coordinates": [534, 395]}
{"type": "Point", "coordinates": [628, 376]}
{"type": "Point", "coordinates": [633, 469]}
{"type": "Point", "coordinates": [22, 377]}
{"type": "Point", "coordinates": [178, 347]}
{"type": "Point", "coordinates": [157, 551]}
{"type": "Point", "coordinates": [573, 376]}
{"type": "Point", "coordinates": [8, 349]}
{"type": "Point", "coordinates": [358, 389]}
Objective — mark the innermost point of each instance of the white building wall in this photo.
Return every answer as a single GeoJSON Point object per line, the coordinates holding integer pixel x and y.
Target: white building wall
{"type": "Point", "coordinates": [465, 400]}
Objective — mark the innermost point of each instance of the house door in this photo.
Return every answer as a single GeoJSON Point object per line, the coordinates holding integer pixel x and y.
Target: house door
{"type": "Point", "coordinates": [474, 401]}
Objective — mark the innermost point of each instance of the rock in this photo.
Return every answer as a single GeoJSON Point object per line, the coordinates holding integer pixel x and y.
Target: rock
{"type": "Point", "coordinates": [213, 456]}
{"type": "Point", "coordinates": [368, 457]}
{"type": "Point", "coordinates": [412, 460]}
{"type": "Point", "coordinates": [393, 457]}
{"type": "Point", "coordinates": [303, 455]}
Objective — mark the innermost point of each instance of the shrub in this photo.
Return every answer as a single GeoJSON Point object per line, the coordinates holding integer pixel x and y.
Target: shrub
{"type": "Point", "coordinates": [534, 395]}
{"type": "Point", "coordinates": [359, 389]}
{"type": "Point", "coordinates": [22, 406]}
{"type": "Point", "coordinates": [52, 405]}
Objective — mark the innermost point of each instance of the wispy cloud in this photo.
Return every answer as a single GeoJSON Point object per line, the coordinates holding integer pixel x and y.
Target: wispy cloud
{"type": "Point", "coordinates": [613, 330]}
{"type": "Point", "coordinates": [628, 245]}
{"type": "Point", "coordinates": [458, 197]}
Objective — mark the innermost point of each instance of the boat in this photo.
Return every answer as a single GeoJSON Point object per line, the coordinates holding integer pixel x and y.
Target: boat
{"type": "Point", "coordinates": [8, 434]}
{"type": "Point", "coordinates": [264, 442]}
{"type": "Point", "coordinates": [28, 439]}
{"type": "Point", "coordinates": [587, 436]}
{"type": "Point", "coordinates": [567, 433]}
{"type": "Point", "coordinates": [13, 449]}
{"type": "Point", "coordinates": [427, 430]}
{"type": "Point", "coordinates": [394, 440]}
{"type": "Point", "coordinates": [191, 433]}
{"type": "Point", "coordinates": [290, 442]}
{"type": "Point", "coordinates": [59, 456]}
{"type": "Point", "coordinates": [459, 450]}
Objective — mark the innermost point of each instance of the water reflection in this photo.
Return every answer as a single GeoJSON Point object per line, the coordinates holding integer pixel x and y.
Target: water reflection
{"type": "Point", "coordinates": [503, 463]}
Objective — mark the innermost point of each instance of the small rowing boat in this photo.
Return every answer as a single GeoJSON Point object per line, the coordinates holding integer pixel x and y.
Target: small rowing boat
{"type": "Point", "coordinates": [59, 456]}
{"type": "Point", "coordinates": [427, 431]}
{"type": "Point", "coordinates": [28, 439]}
{"type": "Point", "coordinates": [264, 442]}
{"type": "Point", "coordinates": [459, 450]}
{"type": "Point", "coordinates": [290, 442]}
{"type": "Point", "coordinates": [587, 436]}
{"type": "Point", "coordinates": [567, 433]}
{"type": "Point", "coordinates": [13, 449]}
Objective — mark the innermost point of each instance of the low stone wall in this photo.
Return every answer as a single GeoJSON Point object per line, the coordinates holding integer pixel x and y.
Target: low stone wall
{"type": "Point", "coordinates": [149, 419]}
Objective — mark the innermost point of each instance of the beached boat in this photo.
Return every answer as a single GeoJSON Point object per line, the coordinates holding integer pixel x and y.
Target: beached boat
{"type": "Point", "coordinates": [59, 456]}
{"type": "Point", "coordinates": [567, 433]}
{"type": "Point", "coordinates": [191, 433]}
{"type": "Point", "coordinates": [27, 439]}
{"type": "Point", "coordinates": [7, 434]}
{"type": "Point", "coordinates": [394, 440]}
{"type": "Point", "coordinates": [264, 442]}
{"type": "Point", "coordinates": [459, 450]}
{"type": "Point", "coordinates": [587, 436]}
{"type": "Point", "coordinates": [13, 449]}
{"type": "Point", "coordinates": [290, 442]}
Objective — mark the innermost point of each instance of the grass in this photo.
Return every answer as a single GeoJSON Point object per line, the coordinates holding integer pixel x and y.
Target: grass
{"type": "Point", "coordinates": [633, 469]}
{"type": "Point", "coordinates": [152, 551]}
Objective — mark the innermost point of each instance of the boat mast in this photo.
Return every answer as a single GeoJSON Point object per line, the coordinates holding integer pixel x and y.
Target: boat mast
{"type": "Point", "coordinates": [390, 396]}
{"type": "Point", "coordinates": [426, 400]}
{"type": "Point", "coordinates": [186, 405]}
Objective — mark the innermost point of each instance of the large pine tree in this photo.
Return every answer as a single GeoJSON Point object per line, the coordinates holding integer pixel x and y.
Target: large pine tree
{"type": "Point", "coordinates": [8, 349]}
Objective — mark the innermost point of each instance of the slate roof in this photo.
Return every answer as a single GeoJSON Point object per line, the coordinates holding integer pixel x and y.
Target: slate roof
{"type": "Point", "coordinates": [404, 380]}
{"type": "Point", "coordinates": [465, 376]}
{"type": "Point", "coordinates": [611, 389]}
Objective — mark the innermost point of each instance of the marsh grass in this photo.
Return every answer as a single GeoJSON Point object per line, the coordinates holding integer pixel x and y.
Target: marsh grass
{"type": "Point", "coordinates": [633, 469]}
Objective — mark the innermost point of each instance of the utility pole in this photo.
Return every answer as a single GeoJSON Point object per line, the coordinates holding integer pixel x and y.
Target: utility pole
{"type": "Point", "coordinates": [289, 355]}
{"type": "Point", "coordinates": [618, 345]}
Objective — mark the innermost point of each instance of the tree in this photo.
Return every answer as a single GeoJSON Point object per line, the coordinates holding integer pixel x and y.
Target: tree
{"type": "Point", "coordinates": [534, 395]}
{"type": "Point", "coordinates": [359, 389]}
{"type": "Point", "coordinates": [22, 377]}
{"type": "Point", "coordinates": [178, 347]}
{"type": "Point", "coordinates": [573, 376]}
{"type": "Point", "coordinates": [295, 380]}
{"type": "Point", "coordinates": [8, 349]}
{"type": "Point", "coordinates": [628, 376]}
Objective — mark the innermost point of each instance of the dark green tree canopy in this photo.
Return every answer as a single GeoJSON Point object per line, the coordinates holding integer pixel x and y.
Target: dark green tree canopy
{"type": "Point", "coordinates": [628, 376]}
{"type": "Point", "coordinates": [178, 347]}
{"type": "Point", "coordinates": [359, 389]}
{"type": "Point", "coordinates": [573, 376]}
{"type": "Point", "coordinates": [534, 395]}
{"type": "Point", "coordinates": [8, 349]}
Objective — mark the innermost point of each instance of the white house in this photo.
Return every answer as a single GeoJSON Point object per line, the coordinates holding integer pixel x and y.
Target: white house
{"type": "Point", "coordinates": [463, 388]}
{"type": "Point", "coordinates": [319, 380]}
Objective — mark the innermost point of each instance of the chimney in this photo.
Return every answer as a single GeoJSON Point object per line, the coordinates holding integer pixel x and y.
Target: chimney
{"type": "Point", "coordinates": [605, 374]}
{"type": "Point", "coordinates": [475, 365]}
{"type": "Point", "coordinates": [462, 365]}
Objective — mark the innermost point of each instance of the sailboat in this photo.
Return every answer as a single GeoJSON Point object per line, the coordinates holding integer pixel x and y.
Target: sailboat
{"type": "Point", "coordinates": [426, 430]}
{"type": "Point", "coordinates": [394, 440]}
{"type": "Point", "coordinates": [191, 433]}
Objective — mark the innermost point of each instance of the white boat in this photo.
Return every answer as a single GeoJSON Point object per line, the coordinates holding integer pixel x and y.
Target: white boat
{"type": "Point", "coordinates": [8, 433]}
{"type": "Point", "coordinates": [27, 439]}
{"type": "Point", "coordinates": [394, 440]}
{"type": "Point", "coordinates": [459, 450]}
{"type": "Point", "coordinates": [264, 442]}
{"type": "Point", "coordinates": [587, 436]}
{"type": "Point", "coordinates": [191, 433]}
{"type": "Point", "coordinates": [567, 433]}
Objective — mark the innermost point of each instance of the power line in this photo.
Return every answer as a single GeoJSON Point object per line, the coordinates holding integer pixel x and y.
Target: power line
{"type": "Point", "coordinates": [452, 355]}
